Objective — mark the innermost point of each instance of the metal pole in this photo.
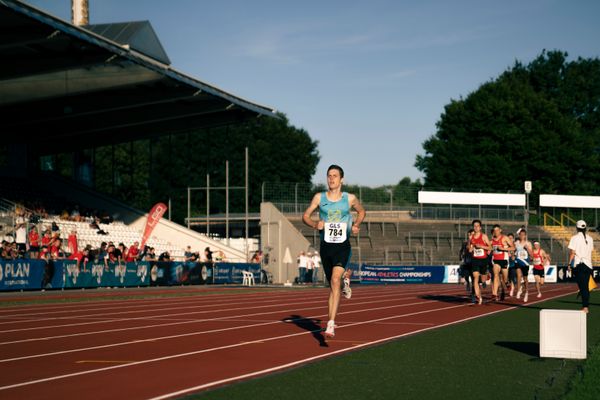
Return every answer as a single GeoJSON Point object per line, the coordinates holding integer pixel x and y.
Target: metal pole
{"type": "Point", "coordinates": [391, 199]}
{"type": "Point", "coordinates": [262, 192]}
{"type": "Point", "coordinates": [169, 208]}
{"type": "Point", "coordinates": [527, 212]}
{"type": "Point", "coordinates": [227, 201]}
{"type": "Point", "coordinates": [189, 207]}
{"type": "Point", "coordinates": [247, 193]}
{"type": "Point", "coordinates": [296, 198]}
{"type": "Point", "coordinates": [207, 204]}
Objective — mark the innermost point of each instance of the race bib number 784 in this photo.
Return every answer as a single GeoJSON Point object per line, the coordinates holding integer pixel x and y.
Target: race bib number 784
{"type": "Point", "coordinates": [335, 232]}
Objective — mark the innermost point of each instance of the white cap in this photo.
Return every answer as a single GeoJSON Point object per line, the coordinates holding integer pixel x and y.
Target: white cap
{"type": "Point", "coordinates": [581, 224]}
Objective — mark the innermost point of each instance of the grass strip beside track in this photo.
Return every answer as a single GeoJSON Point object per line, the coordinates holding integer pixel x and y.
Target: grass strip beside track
{"type": "Point", "coordinates": [493, 357]}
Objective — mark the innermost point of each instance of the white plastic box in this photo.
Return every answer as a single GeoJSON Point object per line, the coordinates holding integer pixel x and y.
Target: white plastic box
{"type": "Point", "coordinates": [563, 334]}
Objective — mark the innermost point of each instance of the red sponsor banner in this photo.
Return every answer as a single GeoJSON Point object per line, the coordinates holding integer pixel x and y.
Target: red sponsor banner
{"type": "Point", "coordinates": [154, 216]}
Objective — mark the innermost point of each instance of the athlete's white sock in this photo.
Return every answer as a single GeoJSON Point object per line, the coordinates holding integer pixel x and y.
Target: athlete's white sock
{"type": "Point", "coordinates": [330, 322]}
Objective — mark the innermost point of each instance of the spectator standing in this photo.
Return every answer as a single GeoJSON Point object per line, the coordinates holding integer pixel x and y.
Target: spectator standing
{"type": "Point", "coordinates": [133, 252]}
{"type": "Point", "coordinates": [581, 247]}
{"type": "Point", "coordinates": [34, 242]}
{"type": "Point", "coordinates": [309, 269]}
{"type": "Point", "coordinates": [164, 256]}
{"type": "Point", "coordinates": [208, 255]}
{"type": "Point", "coordinates": [72, 242]}
{"type": "Point", "coordinates": [21, 232]}
{"type": "Point", "coordinates": [316, 261]}
{"type": "Point", "coordinates": [56, 251]}
{"type": "Point", "coordinates": [150, 254]}
{"type": "Point", "coordinates": [302, 266]}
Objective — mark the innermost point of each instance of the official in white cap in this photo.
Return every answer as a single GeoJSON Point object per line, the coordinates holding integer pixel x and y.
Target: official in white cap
{"type": "Point", "coordinates": [580, 256]}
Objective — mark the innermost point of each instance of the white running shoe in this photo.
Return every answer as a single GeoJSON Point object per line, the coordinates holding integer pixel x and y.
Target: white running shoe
{"type": "Point", "coordinates": [526, 297]}
{"type": "Point", "coordinates": [539, 296]}
{"type": "Point", "coordinates": [330, 331]}
{"type": "Point", "coordinates": [519, 292]}
{"type": "Point", "coordinates": [347, 290]}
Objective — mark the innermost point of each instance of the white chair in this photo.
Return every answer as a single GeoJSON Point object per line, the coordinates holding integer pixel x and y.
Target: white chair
{"type": "Point", "coordinates": [248, 279]}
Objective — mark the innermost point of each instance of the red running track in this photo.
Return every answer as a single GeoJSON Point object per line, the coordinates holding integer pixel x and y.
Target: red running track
{"type": "Point", "coordinates": [168, 347]}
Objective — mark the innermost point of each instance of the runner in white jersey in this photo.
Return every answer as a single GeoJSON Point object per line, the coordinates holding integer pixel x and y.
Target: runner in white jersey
{"type": "Point", "coordinates": [335, 225]}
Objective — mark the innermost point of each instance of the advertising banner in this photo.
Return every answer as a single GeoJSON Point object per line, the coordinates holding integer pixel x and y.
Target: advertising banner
{"type": "Point", "coordinates": [232, 272]}
{"type": "Point", "coordinates": [180, 273]}
{"type": "Point", "coordinates": [402, 274]}
{"type": "Point", "coordinates": [154, 217]}
{"type": "Point", "coordinates": [93, 275]}
{"type": "Point", "coordinates": [451, 274]}
{"type": "Point", "coordinates": [563, 274]}
{"type": "Point", "coordinates": [550, 272]}
{"type": "Point", "coordinates": [21, 274]}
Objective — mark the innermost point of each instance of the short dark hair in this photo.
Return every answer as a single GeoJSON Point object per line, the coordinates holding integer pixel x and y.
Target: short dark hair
{"type": "Point", "coordinates": [496, 226]}
{"type": "Point", "coordinates": [476, 221]}
{"type": "Point", "coordinates": [335, 166]}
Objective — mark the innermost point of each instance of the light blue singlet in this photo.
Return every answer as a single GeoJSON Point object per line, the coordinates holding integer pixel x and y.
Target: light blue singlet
{"type": "Point", "coordinates": [335, 211]}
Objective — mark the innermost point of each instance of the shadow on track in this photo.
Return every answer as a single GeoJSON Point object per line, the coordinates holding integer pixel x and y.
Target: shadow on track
{"type": "Point", "coordinates": [446, 298]}
{"type": "Point", "coordinates": [529, 348]}
{"type": "Point", "coordinates": [311, 325]}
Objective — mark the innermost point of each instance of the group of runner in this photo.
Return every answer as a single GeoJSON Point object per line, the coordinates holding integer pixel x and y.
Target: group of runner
{"type": "Point", "coordinates": [503, 259]}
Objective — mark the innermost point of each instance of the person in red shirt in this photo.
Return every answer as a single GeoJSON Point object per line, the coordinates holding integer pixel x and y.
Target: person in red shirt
{"type": "Point", "coordinates": [72, 242]}
{"type": "Point", "coordinates": [56, 251]}
{"type": "Point", "coordinates": [34, 242]}
{"type": "Point", "coordinates": [501, 247]}
{"type": "Point", "coordinates": [540, 259]}
{"type": "Point", "coordinates": [479, 246]}
{"type": "Point", "coordinates": [133, 252]}
{"type": "Point", "coordinates": [46, 239]}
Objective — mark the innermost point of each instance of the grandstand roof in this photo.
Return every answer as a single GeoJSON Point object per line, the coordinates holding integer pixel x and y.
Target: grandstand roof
{"type": "Point", "coordinates": [65, 87]}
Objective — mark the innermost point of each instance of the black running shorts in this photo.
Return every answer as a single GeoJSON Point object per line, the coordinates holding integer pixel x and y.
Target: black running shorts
{"type": "Point", "coordinates": [539, 272]}
{"type": "Point", "coordinates": [334, 255]}
{"type": "Point", "coordinates": [502, 263]}
{"type": "Point", "coordinates": [479, 265]}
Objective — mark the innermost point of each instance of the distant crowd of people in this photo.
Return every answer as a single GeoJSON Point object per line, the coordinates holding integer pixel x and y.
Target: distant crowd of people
{"type": "Point", "coordinates": [48, 243]}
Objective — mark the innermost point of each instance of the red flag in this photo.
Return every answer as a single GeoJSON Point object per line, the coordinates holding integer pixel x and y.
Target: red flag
{"type": "Point", "coordinates": [154, 216]}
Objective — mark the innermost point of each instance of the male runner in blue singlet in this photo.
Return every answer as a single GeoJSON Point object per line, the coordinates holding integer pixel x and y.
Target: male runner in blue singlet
{"type": "Point", "coordinates": [335, 225]}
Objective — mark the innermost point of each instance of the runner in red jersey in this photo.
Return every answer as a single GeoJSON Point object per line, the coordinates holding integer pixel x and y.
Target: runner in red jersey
{"type": "Point", "coordinates": [501, 246]}
{"type": "Point", "coordinates": [540, 259]}
{"type": "Point", "coordinates": [479, 246]}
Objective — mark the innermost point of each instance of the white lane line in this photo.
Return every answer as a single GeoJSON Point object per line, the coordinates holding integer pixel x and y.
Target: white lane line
{"type": "Point", "coordinates": [187, 321]}
{"type": "Point", "coordinates": [282, 293]}
{"type": "Point", "coordinates": [174, 314]}
{"type": "Point", "coordinates": [112, 307]}
{"type": "Point", "coordinates": [200, 387]}
{"type": "Point", "coordinates": [188, 334]}
{"type": "Point", "coordinates": [341, 351]}
{"type": "Point", "coordinates": [191, 353]}
{"type": "Point", "coordinates": [213, 330]}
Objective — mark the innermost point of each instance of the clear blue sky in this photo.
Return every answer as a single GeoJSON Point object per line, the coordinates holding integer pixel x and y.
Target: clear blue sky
{"type": "Point", "coordinates": [369, 79]}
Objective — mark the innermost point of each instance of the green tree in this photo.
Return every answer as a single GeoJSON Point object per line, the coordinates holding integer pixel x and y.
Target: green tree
{"type": "Point", "coordinates": [538, 122]}
{"type": "Point", "coordinates": [278, 152]}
